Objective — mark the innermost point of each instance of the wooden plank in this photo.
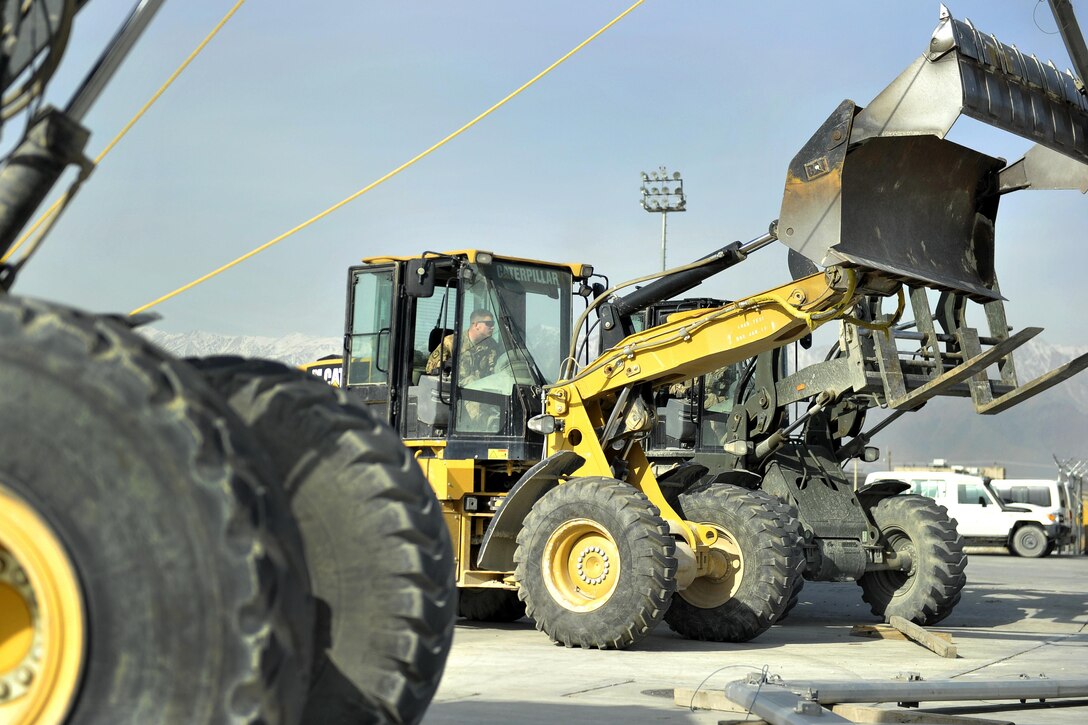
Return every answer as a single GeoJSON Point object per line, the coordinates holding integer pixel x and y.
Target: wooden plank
{"type": "Point", "coordinates": [705, 700]}
{"type": "Point", "coordinates": [923, 637]}
{"type": "Point", "coordinates": [871, 714]}
{"type": "Point", "coordinates": [886, 631]}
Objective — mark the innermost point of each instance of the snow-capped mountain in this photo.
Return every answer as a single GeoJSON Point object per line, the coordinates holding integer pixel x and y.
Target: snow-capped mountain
{"type": "Point", "coordinates": [1032, 359]}
{"type": "Point", "coordinates": [294, 349]}
{"type": "Point", "coordinates": [1025, 438]}
{"type": "Point", "coordinates": [1036, 358]}
{"type": "Point", "coordinates": [1053, 423]}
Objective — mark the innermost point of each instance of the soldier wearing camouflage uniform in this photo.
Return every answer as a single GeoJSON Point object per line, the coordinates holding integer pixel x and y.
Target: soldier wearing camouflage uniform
{"type": "Point", "coordinates": [478, 353]}
{"type": "Point", "coordinates": [717, 388]}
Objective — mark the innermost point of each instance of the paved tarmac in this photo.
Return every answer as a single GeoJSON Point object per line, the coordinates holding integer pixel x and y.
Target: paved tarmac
{"type": "Point", "coordinates": [1017, 616]}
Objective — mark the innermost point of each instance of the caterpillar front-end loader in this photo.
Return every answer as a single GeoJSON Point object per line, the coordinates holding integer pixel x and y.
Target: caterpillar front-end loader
{"type": "Point", "coordinates": [710, 429]}
{"type": "Point", "coordinates": [732, 424]}
{"type": "Point", "coordinates": [203, 541]}
{"type": "Point", "coordinates": [553, 506]}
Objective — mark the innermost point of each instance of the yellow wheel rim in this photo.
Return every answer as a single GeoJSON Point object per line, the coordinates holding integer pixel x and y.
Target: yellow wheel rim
{"type": "Point", "coordinates": [725, 571]}
{"type": "Point", "coordinates": [41, 618]}
{"type": "Point", "coordinates": [581, 565]}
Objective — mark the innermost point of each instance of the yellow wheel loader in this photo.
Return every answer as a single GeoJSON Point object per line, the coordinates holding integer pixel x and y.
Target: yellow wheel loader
{"type": "Point", "coordinates": [539, 461]}
{"type": "Point", "coordinates": [189, 542]}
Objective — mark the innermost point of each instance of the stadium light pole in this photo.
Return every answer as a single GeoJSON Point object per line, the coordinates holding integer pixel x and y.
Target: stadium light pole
{"type": "Point", "coordinates": [662, 193]}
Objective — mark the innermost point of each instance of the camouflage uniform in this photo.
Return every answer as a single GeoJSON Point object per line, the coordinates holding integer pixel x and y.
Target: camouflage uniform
{"type": "Point", "coordinates": [680, 390]}
{"type": "Point", "coordinates": [477, 359]}
{"type": "Point", "coordinates": [716, 387]}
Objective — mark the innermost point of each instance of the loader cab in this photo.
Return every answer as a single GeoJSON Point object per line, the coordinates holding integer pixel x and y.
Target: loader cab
{"type": "Point", "coordinates": [693, 417]}
{"type": "Point", "coordinates": [411, 350]}
{"type": "Point", "coordinates": [692, 414]}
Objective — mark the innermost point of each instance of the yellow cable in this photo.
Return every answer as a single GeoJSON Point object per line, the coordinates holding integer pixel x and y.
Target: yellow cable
{"type": "Point", "coordinates": [885, 327]}
{"type": "Point", "coordinates": [139, 114]}
{"type": "Point", "coordinates": [389, 175]}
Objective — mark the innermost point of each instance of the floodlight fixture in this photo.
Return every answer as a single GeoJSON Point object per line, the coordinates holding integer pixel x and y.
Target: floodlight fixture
{"type": "Point", "coordinates": [663, 199]}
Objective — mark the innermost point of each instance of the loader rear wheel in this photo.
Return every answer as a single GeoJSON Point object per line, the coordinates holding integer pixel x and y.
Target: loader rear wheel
{"type": "Point", "coordinates": [596, 564]}
{"type": "Point", "coordinates": [144, 580]}
{"type": "Point", "coordinates": [490, 605]}
{"type": "Point", "coordinates": [920, 531]}
{"type": "Point", "coordinates": [378, 550]}
{"type": "Point", "coordinates": [754, 565]}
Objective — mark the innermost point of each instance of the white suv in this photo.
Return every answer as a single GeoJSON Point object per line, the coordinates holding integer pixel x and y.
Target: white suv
{"type": "Point", "coordinates": [982, 519]}
{"type": "Point", "coordinates": [1043, 495]}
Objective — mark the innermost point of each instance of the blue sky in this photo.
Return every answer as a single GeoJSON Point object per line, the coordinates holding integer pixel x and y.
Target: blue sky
{"type": "Point", "coordinates": [296, 106]}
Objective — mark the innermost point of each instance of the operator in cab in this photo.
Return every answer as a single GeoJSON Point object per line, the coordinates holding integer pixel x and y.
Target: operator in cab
{"type": "Point", "coordinates": [478, 352]}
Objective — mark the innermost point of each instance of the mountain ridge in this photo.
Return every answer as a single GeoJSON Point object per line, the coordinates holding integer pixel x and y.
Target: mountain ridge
{"type": "Point", "coordinates": [1025, 438]}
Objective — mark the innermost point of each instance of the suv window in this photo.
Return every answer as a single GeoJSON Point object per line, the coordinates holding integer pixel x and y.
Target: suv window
{"type": "Point", "coordinates": [1035, 495]}
{"type": "Point", "coordinates": [970, 493]}
{"type": "Point", "coordinates": [921, 487]}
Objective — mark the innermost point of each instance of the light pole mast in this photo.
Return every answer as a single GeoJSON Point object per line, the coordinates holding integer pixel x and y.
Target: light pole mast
{"type": "Point", "coordinates": [660, 195]}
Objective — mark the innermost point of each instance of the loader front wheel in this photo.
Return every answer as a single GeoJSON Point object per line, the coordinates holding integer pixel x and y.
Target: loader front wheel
{"type": "Point", "coordinates": [596, 564]}
{"type": "Point", "coordinates": [754, 566]}
{"type": "Point", "coordinates": [376, 544]}
{"type": "Point", "coordinates": [490, 605]}
{"type": "Point", "coordinates": [918, 531]}
{"type": "Point", "coordinates": [143, 574]}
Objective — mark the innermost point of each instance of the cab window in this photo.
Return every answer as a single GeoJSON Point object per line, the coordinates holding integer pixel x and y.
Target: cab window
{"type": "Point", "coordinates": [371, 317]}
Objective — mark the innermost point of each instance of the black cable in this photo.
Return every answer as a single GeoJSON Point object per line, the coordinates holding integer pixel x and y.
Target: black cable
{"type": "Point", "coordinates": [763, 677]}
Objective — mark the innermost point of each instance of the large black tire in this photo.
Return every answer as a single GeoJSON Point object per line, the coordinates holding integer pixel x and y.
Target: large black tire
{"type": "Point", "coordinates": [378, 550]}
{"type": "Point", "coordinates": [151, 489]}
{"type": "Point", "coordinates": [1030, 542]}
{"type": "Point", "coordinates": [794, 597]}
{"type": "Point", "coordinates": [596, 564]}
{"type": "Point", "coordinates": [791, 523]}
{"type": "Point", "coordinates": [490, 605]}
{"type": "Point", "coordinates": [754, 539]}
{"type": "Point", "coordinates": [929, 591]}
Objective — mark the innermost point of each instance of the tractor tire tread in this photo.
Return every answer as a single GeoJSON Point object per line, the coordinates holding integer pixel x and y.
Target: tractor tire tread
{"type": "Point", "coordinates": [771, 564]}
{"type": "Point", "coordinates": [262, 677]}
{"type": "Point", "coordinates": [655, 564]}
{"type": "Point", "coordinates": [930, 594]}
{"type": "Point", "coordinates": [324, 443]}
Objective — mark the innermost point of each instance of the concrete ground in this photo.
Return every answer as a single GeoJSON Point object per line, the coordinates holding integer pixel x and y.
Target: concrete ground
{"type": "Point", "coordinates": [1017, 616]}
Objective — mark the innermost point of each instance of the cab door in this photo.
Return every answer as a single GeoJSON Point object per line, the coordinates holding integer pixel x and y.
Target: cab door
{"type": "Point", "coordinates": [369, 340]}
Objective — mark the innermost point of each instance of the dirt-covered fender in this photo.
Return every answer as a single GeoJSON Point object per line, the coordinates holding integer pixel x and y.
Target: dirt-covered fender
{"type": "Point", "coordinates": [868, 494]}
{"type": "Point", "coordinates": [500, 539]}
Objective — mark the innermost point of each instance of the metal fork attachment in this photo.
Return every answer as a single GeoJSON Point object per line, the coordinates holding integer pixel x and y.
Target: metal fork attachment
{"type": "Point", "coordinates": [936, 354]}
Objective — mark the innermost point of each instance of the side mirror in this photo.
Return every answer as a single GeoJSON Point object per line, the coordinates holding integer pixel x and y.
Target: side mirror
{"type": "Point", "coordinates": [981, 500]}
{"type": "Point", "coordinates": [870, 454]}
{"type": "Point", "coordinates": [419, 280]}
